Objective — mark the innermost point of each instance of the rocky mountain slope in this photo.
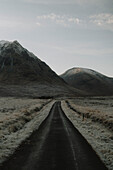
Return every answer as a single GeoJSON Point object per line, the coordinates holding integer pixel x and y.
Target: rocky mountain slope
{"type": "Point", "coordinates": [89, 81]}
{"type": "Point", "coordinates": [22, 73]}
{"type": "Point", "coordinates": [18, 65]}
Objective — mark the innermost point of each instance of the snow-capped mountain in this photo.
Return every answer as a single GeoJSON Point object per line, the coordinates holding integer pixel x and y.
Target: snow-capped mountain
{"type": "Point", "coordinates": [89, 80]}
{"type": "Point", "coordinates": [17, 64]}
{"type": "Point", "coordinates": [7, 45]}
{"type": "Point", "coordinates": [19, 67]}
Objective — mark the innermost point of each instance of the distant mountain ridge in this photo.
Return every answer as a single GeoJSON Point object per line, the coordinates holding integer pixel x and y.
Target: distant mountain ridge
{"type": "Point", "coordinates": [89, 81]}
{"type": "Point", "coordinates": [22, 73]}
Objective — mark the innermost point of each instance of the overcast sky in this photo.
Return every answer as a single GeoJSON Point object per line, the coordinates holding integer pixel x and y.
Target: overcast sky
{"type": "Point", "coordinates": [63, 33]}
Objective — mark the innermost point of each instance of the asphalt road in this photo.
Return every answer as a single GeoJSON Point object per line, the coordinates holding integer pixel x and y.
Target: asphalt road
{"type": "Point", "coordinates": [56, 145]}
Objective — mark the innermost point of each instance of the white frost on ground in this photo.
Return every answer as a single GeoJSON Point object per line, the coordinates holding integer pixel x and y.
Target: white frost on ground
{"type": "Point", "coordinates": [97, 135]}
{"type": "Point", "coordinates": [18, 119]}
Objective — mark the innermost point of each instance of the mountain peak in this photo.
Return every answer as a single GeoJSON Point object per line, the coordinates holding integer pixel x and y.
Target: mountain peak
{"type": "Point", "coordinates": [6, 47]}
{"type": "Point", "coordinates": [5, 43]}
{"type": "Point", "coordinates": [89, 80]}
{"type": "Point", "coordinates": [18, 64]}
{"type": "Point", "coordinates": [2, 42]}
{"type": "Point", "coordinates": [8, 44]}
{"type": "Point", "coordinates": [77, 70]}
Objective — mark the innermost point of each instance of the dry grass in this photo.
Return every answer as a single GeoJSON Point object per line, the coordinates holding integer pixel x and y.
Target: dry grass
{"type": "Point", "coordinates": [14, 118]}
{"type": "Point", "coordinates": [89, 116]}
{"type": "Point", "coordinates": [18, 119]}
{"type": "Point", "coordinates": [97, 109]}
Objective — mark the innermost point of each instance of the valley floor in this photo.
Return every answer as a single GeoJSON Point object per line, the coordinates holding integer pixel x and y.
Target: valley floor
{"type": "Point", "coordinates": [93, 117]}
{"type": "Point", "coordinates": [56, 145]}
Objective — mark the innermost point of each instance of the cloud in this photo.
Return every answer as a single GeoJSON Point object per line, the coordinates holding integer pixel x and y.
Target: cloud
{"type": "Point", "coordinates": [38, 24]}
{"type": "Point", "coordinates": [51, 16]}
{"type": "Point", "coordinates": [63, 20]}
{"type": "Point", "coordinates": [74, 20]}
{"type": "Point", "coordinates": [100, 21]}
{"type": "Point", "coordinates": [103, 20]}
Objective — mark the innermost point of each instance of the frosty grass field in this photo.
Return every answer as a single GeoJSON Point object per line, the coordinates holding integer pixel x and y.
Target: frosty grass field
{"type": "Point", "coordinates": [18, 119]}
{"type": "Point", "coordinates": [93, 117]}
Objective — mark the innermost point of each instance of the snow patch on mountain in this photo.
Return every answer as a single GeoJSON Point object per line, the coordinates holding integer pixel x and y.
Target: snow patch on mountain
{"type": "Point", "coordinates": [6, 45]}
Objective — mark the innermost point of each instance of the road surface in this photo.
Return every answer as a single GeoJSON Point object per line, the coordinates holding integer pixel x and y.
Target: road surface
{"type": "Point", "coordinates": [56, 145]}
